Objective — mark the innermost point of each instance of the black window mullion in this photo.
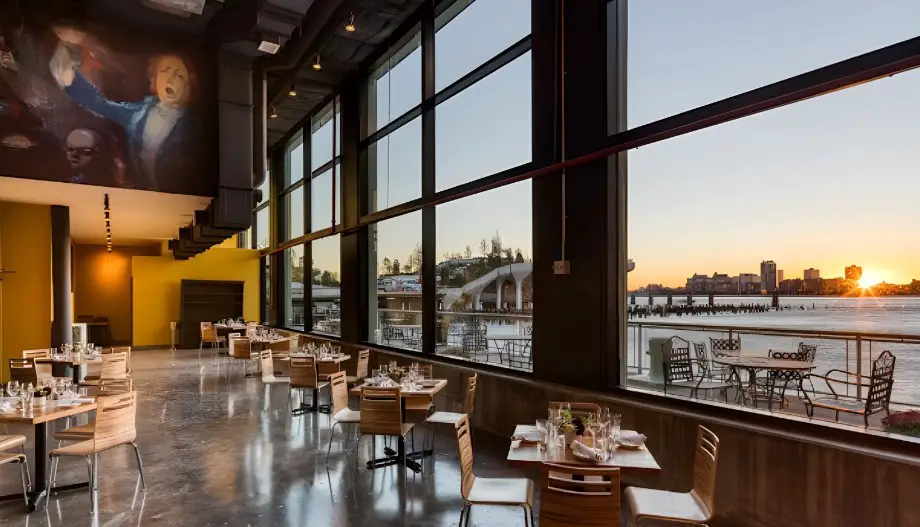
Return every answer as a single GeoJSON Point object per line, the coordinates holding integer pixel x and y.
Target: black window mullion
{"type": "Point", "coordinates": [429, 290]}
{"type": "Point", "coordinates": [307, 227]}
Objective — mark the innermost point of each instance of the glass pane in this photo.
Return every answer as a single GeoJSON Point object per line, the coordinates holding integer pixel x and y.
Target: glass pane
{"type": "Point", "coordinates": [326, 285]}
{"type": "Point", "coordinates": [293, 292]}
{"type": "Point", "coordinates": [321, 200]}
{"type": "Point", "coordinates": [321, 145]}
{"type": "Point", "coordinates": [719, 212]}
{"type": "Point", "coordinates": [293, 162]}
{"type": "Point", "coordinates": [294, 206]}
{"type": "Point", "coordinates": [396, 306]}
{"type": "Point", "coordinates": [720, 48]}
{"type": "Point", "coordinates": [472, 32]}
{"type": "Point", "coordinates": [262, 229]}
{"type": "Point", "coordinates": [395, 87]}
{"type": "Point", "coordinates": [485, 287]}
{"type": "Point", "coordinates": [395, 165]}
{"type": "Point", "coordinates": [467, 149]}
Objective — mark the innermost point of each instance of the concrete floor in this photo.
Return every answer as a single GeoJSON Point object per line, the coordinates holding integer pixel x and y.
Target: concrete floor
{"type": "Point", "coordinates": [220, 449]}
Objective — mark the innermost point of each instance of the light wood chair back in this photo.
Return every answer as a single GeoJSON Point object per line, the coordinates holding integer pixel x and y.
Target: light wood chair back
{"type": "Point", "coordinates": [339, 392]}
{"type": "Point", "coordinates": [23, 371]}
{"type": "Point", "coordinates": [363, 360]}
{"type": "Point", "coordinates": [294, 344]}
{"type": "Point", "coordinates": [114, 367]}
{"type": "Point", "coordinates": [127, 351]}
{"type": "Point", "coordinates": [43, 370]}
{"type": "Point", "coordinates": [578, 409]}
{"type": "Point", "coordinates": [36, 354]}
{"type": "Point", "coordinates": [208, 332]}
{"type": "Point", "coordinates": [469, 401]}
{"type": "Point", "coordinates": [115, 420]}
{"type": "Point", "coordinates": [304, 373]}
{"type": "Point", "coordinates": [268, 365]}
{"type": "Point", "coordinates": [705, 463]}
{"type": "Point", "coordinates": [281, 347]}
{"type": "Point", "coordinates": [241, 348]}
{"type": "Point", "coordinates": [567, 500]}
{"type": "Point", "coordinates": [381, 411]}
{"type": "Point", "coordinates": [465, 448]}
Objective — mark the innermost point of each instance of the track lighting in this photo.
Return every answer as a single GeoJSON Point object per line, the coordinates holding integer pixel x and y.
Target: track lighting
{"type": "Point", "coordinates": [316, 65]}
{"type": "Point", "coordinates": [274, 114]}
{"type": "Point", "coordinates": [292, 92]}
{"type": "Point", "coordinates": [350, 26]}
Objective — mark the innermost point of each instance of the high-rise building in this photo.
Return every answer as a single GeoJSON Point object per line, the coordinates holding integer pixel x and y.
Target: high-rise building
{"type": "Point", "coordinates": [780, 276]}
{"type": "Point", "coordinates": [768, 277]}
{"type": "Point", "coordinates": [853, 272]}
{"type": "Point", "coordinates": [812, 274]}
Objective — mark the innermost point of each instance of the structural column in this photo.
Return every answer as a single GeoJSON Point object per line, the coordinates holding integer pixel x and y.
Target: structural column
{"type": "Point", "coordinates": [62, 318]}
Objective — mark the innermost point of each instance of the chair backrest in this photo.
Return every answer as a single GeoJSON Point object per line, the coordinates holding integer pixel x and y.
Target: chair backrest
{"type": "Point", "coordinates": [881, 382]}
{"type": "Point", "coordinates": [364, 357]}
{"type": "Point", "coordinates": [241, 348]}
{"type": "Point", "coordinates": [465, 448]}
{"type": "Point", "coordinates": [568, 498]}
{"type": "Point", "coordinates": [469, 401]}
{"type": "Point", "coordinates": [303, 372]}
{"type": "Point", "coordinates": [114, 367]}
{"type": "Point", "coordinates": [724, 346]}
{"type": "Point", "coordinates": [36, 354]}
{"type": "Point", "coordinates": [127, 351]}
{"type": "Point", "coordinates": [678, 366]}
{"type": "Point", "coordinates": [705, 463]}
{"type": "Point", "coordinates": [281, 347]}
{"type": "Point", "coordinates": [426, 370]}
{"type": "Point", "coordinates": [788, 355]}
{"type": "Point", "coordinates": [208, 332]}
{"type": "Point", "coordinates": [339, 391]}
{"type": "Point", "coordinates": [268, 365]}
{"type": "Point", "coordinates": [578, 409]}
{"type": "Point", "coordinates": [381, 411]}
{"type": "Point", "coordinates": [115, 420]}
{"type": "Point", "coordinates": [809, 351]}
{"type": "Point", "coordinates": [23, 370]}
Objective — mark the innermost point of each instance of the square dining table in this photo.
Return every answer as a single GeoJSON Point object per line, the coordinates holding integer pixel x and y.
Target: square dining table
{"type": "Point", "coordinates": [40, 418]}
{"type": "Point", "coordinates": [529, 454]}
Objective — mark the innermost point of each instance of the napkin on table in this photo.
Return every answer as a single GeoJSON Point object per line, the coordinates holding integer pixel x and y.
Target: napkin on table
{"type": "Point", "coordinates": [633, 439]}
{"type": "Point", "coordinates": [586, 451]}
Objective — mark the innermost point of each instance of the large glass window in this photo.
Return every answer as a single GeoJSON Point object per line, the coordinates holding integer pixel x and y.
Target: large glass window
{"type": "Point", "coordinates": [262, 239]}
{"type": "Point", "coordinates": [486, 128]}
{"type": "Point", "coordinates": [471, 32]}
{"type": "Point", "coordinates": [485, 293]}
{"type": "Point", "coordinates": [326, 285]}
{"type": "Point", "coordinates": [395, 87]}
{"type": "Point", "coordinates": [321, 145]}
{"type": "Point", "coordinates": [294, 206]}
{"type": "Point", "coordinates": [294, 162]}
{"type": "Point", "coordinates": [294, 283]}
{"type": "Point", "coordinates": [321, 199]}
{"type": "Point", "coordinates": [395, 166]}
{"type": "Point", "coordinates": [396, 304]}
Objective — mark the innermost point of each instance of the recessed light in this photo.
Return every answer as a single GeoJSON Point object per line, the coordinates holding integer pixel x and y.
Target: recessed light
{"type": "Point", "coordinates": [269, 47]}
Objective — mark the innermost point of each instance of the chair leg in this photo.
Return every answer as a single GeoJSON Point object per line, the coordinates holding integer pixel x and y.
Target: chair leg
{"type": "Point", "coordinates": [331, 436]}
{"type": "Point", "coordinates": [28, 474]}
{"type": "Point", "coordinates": [23, 469]}
{"type": "Point", "coordinates": [91, 470]}
{"type": "Point", "coordinates": [140, 466]}
{"type": "Point", "coordinates": [462, 515]}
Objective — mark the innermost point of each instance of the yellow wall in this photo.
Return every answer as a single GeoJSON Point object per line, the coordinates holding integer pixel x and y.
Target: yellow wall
{"type": "Point", "coordinates": [157, 286]}
{"type": "Point", "coordinates": [25, 296]}
{"type": "Point", "coordinates": [102, 285]}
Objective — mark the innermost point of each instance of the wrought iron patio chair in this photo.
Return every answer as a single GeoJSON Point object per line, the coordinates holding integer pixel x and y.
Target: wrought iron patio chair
{"type": "Point", "coordinates": [878, 384]}
{"type": "Point", "coordinates": [678, 371]}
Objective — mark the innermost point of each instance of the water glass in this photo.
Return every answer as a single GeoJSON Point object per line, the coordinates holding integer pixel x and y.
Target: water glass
{"type": "Point", "coordinates": [12, 388]}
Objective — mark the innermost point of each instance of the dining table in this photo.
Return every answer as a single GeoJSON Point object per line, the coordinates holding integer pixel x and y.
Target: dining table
{"type": "Point", "coordinates": [40, 418]}
{"type": "Point", "coordinates": [753, 362]}
{"type": "Point", "coordinates": [425, 388]}
{"type": "Point", "coordinates": [69, 366]}
{"type": "Point", "coordinates": [527, 452]}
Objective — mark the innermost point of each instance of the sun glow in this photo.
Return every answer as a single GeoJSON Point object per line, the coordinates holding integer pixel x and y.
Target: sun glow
{"type": "Point", "coordinates": [869, 279]}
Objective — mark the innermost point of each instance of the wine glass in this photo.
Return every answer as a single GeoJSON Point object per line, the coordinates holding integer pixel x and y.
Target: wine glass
{"type": "Point", "coordinates": [12, 388]}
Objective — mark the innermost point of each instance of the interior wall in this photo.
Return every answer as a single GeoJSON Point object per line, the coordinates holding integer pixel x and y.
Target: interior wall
{"type": "Point", "coordinates": [102, 285]}
{"type": "Point", "coordinates": [157, 280]}
{"type": "Point", "coordinates": [25, 294]}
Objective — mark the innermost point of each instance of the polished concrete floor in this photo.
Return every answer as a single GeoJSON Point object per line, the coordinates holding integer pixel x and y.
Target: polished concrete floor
{"type": "Point", "coordinates": [220, 449]}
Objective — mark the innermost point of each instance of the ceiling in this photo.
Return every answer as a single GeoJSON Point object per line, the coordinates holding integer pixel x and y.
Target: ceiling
{"type": "Point", "coordinates": [139, 217]}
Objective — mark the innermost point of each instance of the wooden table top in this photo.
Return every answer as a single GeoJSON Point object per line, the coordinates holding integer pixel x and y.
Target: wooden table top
{"type": "Point", "coordinates": [764, 363]}
{"type": "Point", "coordinates": [436, 386]}
{"type": "Point", "coordinates": [328, 360]}
{"type": "Point", "coordinates": [72, 361]}
{"type": "Point", "coordinates": [50, 412]}
{"type": "Point", "coordinates": [531, 455]}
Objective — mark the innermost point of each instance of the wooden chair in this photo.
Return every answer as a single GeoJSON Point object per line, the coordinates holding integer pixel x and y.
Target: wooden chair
{"type": "Point", "coordinates": [267, 363]}
{"type": "Point", "coordinates": [305, 377]}
{"type": "Point", "coordinates": [209, 336]}
{"type": "Point", "coordinates": [8, 442]}
{"type": "Point", "coordinates": [127, 351]}
{"type": "Point", "coordinates": [361, 371]}
{"type": "Point", "coordinates": [452, 418]}
{"type": "Point", "coordinates": [578, 495]}
{"type": "Point", "coordinates": [381, 415]}
{"type": "Point", "coordinates": [114, 374]}
{"type": "Point", "coordinates": [513, 492]}
{"type": "Point", "coordinates": [418, 408]}
{"type": "Point", "coordinates": [43, 370]}
{"type": "Point", "coordinates": [696, 507]}
{"type": "Point", "coordinates": [241, 349]}
{"type": "Point", "coordinates": [115, 426]}
{"type": "Point", "coordinates": [878, 390]}
{"type": "Point", "coordinates": [23, 371]}
{"type": "Point", "coordinates": [341, 413]}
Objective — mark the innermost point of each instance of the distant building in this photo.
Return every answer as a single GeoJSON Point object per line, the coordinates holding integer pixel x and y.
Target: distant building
{"type": "Point", "coordinates": [780, 276]}
{"type": "Point", "coordinates": [853, 272]}
{"type": "Point", "coordinates": [833, 286]}
{"type": "Point", "coordinates": [748, 284]}
{"type": "Point", "coordinates": [812, 274]}
{"type": "Point", "coordinates": [718, 283]}
{"type": "Point", "coordinates": [813, 286]}
{"type": "Point", "coordinates": [768, 276]}
{"type": "Point", "coordinates": [793, 286]}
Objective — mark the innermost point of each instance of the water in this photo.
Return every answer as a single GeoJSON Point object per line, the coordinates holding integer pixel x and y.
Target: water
{"type": "Point", "coordinates": [892, 315]}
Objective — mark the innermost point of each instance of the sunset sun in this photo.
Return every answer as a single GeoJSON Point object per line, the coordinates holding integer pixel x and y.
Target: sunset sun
{"type": "Point", "coordinates": [869, 279]}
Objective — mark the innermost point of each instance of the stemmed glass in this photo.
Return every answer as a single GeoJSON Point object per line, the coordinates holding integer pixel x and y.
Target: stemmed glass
{"type": "Point", "coordinates": [12, 388]}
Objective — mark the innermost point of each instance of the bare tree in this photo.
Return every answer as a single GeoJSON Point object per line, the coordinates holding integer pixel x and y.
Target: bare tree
{"type": "Point", "coordinates": [468, 252]}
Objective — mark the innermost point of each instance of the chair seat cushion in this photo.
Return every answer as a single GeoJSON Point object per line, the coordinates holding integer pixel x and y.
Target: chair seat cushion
{"type": "Point", "coordinates": [85, 448]}
{"type": "Point", "coordinates": [849, 405]}
{"type": "Point", "coordinates": [448, 418]}
{"type": "Point", "coordinates": [663, 504]}
{"type": "Point", "coordinates": [347, 415]}
{"type": "Point", "coordinates": [8, 442]}
{"type": "Point", "coordinates": [501, 491]}
{"type": "Point", "coordinates": [76, 433]}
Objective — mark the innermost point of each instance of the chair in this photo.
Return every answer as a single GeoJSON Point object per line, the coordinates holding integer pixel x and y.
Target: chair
{"type": "Point", "coordinates": [452, 418]}
{"type": "Point", "coordinates": [420, 404]}
{"type": "Point", "coordinates": [696, 507]}
{"type": "Point", "coordinates": [43, 370]}
{"type": "Point", "coordinates": [341, 413]}
{"type": "Point", "coordinates": [574, 495]}
{"type": "Point", "coordinates": [115, 426]}
{"type": "Point", "coordinates": [724, 347]}
{"type": "Point", "coordinates": [513, 492]}
{"type": "Point", "coordinates": [114, 373]}
{"type": "Point", "coordinates": [8, 442]}
{"type": "Point", "coordinates": [267, 364]}
{"type": "Point", "coordinates": [209, 336]}
{"type": "Point", "coordinates": [879, 386]}
{"type": "Point", "coordinates": [767, 385]}
{"type": "Point", "coordinates": [361, 371]}
{"type": "Point", "coordinates": [23, 371]}
{"type": "Point", "coordinates": [127, 351]}
{"type": "Point", "coordinates": [241, 349]}
{"type": "Point", "coordinates": [381, 415]}
{"type": "Point", "coordinates": [678, 371]}
{"type": "Point", "coordinates": [709, 369]}
{"type": "Point", "coordinates": [304, 376]}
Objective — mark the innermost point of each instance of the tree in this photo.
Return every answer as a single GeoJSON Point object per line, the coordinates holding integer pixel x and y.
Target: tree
{"type": "Point", "coordinates": [496, 244]}
{"type": "Point", "coordinates": [507, 256]}
{"type": "Point", "coordinates": [387, 266]}
{"type": "Point", "coordinates": [296, 268]}
{"type": "Point", "coordinates": [315, 273]}
{"type": "Point", "coordinates": [407, 269]}
{"type": "Point", "coordinates": [326, 278]}
{"type": "Point", "coordinates": [396, 266]}
{"type": "Point", "coordinates": [518, 258]}
{"type": "Point", "coordinates": [468, 252]}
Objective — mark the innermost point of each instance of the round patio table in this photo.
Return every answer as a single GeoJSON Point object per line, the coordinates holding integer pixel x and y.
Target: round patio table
{"type": "Point", "coordinates": [753, 364]}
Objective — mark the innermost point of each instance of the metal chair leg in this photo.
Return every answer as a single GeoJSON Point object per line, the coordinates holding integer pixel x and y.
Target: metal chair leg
{"type": "Point", "coordinates": [28, 474]}
{"type": "Point", "coordinates": [331, 436]}
{"type": "Point", "coordinates": [140, 466]}
{"type": "Point", "coordinates": [23, 469]}
{"type": "Point", "coordinates": [91, 471]}
{"type": "Point", "coordinates": [53, 477]}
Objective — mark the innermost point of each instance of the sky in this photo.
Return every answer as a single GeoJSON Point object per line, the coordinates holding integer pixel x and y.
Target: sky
{"type": "Point", "coordinates": [823, 183]}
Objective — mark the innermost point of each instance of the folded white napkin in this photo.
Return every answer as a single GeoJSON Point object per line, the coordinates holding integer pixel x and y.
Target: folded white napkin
{"type": "Point", "coordinates": [586, 451]}
{"type": "Point", "coordinates": [633, 439]}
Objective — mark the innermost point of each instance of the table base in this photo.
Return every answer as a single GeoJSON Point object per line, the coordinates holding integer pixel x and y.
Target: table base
{"type": "Point", "coordinates": [396, 457]}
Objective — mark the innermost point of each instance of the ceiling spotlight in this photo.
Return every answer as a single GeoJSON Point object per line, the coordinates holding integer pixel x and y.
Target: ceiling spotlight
{"type": "Point", "coordinates": [350, 26]}
{"type": "Point", "coordinates": [292, 92]}
{"type": "Point", "coordinates": [274, 114]}
{"type": "Point", "coordinates": [267, 46]}
{"type": "Point", "coordinates": [316, 65]}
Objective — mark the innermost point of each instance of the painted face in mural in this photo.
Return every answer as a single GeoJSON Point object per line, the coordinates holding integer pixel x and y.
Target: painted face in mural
{"type": "Point", "coordinates": [172, 81]}
{"type": "Point", "coordinates": [82, 145]}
